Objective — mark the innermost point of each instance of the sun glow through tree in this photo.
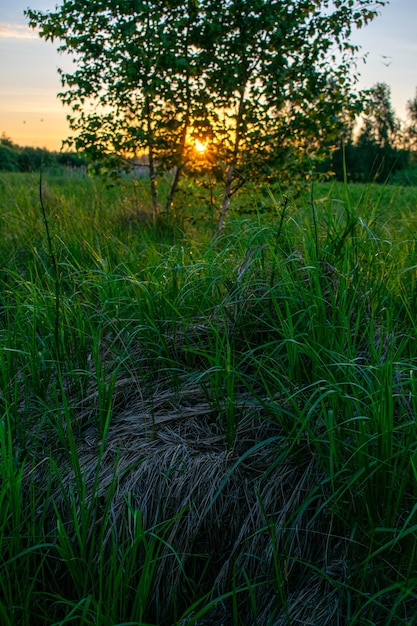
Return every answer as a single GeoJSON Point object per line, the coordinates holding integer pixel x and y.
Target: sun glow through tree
{"type": "Point", "coordinates": [260, 79]}
{"type": "Point", "coordinates": [200, 146]}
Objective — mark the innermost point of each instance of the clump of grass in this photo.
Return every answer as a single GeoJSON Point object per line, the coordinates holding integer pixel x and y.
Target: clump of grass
{"type": "Point", "coordinates": [230, 435]}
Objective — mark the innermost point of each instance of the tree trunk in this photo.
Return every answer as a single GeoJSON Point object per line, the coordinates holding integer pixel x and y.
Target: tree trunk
{"type": "Point", "coordinates": [180, 165]}
{"type": "Point", "coordinates": [173, 187]}
{"type": "Point", "coordinates": [151, 157]}
{"type": "Point", "coordinates": [227, 194]}
{"type": "Point", "coordinates": [153, 183]}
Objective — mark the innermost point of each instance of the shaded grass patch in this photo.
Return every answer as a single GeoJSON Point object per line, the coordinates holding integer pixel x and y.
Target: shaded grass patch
{"type": "Point", "coordinates": [229, 434]}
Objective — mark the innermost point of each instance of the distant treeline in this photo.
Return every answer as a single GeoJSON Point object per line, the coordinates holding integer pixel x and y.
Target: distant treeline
{"type": "Point", "coordinates": [363, 160]}
{"type": "Point", "coordinates": [383, 149]}
{"type": "Point", "coordinates": [14, 158]}
{"type": "Point", "coordinates": [367, 161]}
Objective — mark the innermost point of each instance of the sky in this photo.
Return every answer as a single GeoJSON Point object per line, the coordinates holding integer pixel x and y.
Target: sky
{"type": "Point", "coordinates": [32, 115]}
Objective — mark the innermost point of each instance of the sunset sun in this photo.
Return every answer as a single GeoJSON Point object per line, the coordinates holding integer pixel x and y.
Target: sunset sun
{"type": "Point", "coordinates": [200, 147]}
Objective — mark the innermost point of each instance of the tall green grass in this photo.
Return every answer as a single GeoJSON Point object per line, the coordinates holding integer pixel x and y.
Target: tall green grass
{"type": "Point", "coordinates": [294, 332]}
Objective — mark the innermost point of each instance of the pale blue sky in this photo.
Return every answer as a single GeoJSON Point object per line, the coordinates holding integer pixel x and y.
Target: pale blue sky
{"type": "Point", "coordinates": [31, 114]}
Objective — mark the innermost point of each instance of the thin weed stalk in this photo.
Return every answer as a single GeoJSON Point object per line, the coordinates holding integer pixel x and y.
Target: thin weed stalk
{"type": "Point", "coordinates": [56, 275]}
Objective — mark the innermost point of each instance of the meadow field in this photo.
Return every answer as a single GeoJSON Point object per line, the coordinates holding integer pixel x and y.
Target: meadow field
{"type": "Point", "coordinates": [201, 428]}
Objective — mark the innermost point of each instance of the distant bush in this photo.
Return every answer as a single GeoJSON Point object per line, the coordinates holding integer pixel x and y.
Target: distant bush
{"type": "Point", "coordinates": [406, 177]}
{"type": "Point", "coordinates": [71, 159]}
{"type": "Point", "coordinates": [8, 159]}
{"type": "Point", "coordinates": [32, 159]}
{"type": "Point", "coordinates": [367, 161]}
{"type": "Point", "coordinates": [14, 158]}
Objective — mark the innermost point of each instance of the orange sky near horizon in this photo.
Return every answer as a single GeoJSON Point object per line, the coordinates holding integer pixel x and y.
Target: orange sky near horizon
{"type": "Point", "coordinates": [32, 115]}
{"type": "Point", "coordinates": [30, 112]}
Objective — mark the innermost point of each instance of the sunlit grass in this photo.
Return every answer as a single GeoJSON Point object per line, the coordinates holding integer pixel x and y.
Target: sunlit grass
{"type": "Point", "coordinates": [226, 428]}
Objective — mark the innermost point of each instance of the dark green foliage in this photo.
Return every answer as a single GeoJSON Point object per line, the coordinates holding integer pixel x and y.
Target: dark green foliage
{"type": "Point", "coordinates": [71, 159]}
{"type": "Point", "coordinates": [14, 158]}
{"type": "Point", "coordinates": [376, 154]}
{"type": "Point", "coordinates": [368, 161]}
{"type": "Point", "coordinates": [8, 154]}
{"type": "Point", "coordinates": [411, 131]}
{"type": "Point", "coordinates": [32, 159]}
{"type": "Point", "coordinates": [266, 84]}
{"type": "Point", "coordinates": [8, 159]}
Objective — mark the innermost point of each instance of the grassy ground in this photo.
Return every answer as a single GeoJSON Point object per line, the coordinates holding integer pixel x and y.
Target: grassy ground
{"type": "Point", "coordinates": [200, 430]}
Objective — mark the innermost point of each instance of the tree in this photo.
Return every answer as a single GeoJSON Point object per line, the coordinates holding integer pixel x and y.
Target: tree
{"type": "Point", "coordinates": [136, 78]}
{"type": "Point", "coordinates": [8, 155]}
{"type": "Point", "coordinates": [412, 127]}
{"type": "Point", "coordinates": [263, 82]}
{"type": "Point", "coordinates": [278, 83]}
{"type": "Point", "coordinates": [381, 124]}
{"type": "Point", "coordinates": [8, 159]}
{"type": "Point", "coordinates": [376, 154]}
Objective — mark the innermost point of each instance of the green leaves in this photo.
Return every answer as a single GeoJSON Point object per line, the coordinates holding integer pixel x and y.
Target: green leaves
{"type": "Point", "coordinates": [260, 79]}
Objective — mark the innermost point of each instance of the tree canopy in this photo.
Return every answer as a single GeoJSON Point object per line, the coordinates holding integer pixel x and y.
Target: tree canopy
{"type": "Point", "coordinates": [263, 84]}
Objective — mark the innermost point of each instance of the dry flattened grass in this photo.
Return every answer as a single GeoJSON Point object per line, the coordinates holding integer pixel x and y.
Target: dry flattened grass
{"type": "Point", "coordinates": [252, 512]}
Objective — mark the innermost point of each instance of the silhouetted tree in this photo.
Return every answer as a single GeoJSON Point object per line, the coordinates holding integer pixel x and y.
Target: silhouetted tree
{"type": "Point", "coordinates": [263, 82]}
{"type": "Point", "coordinates": [375, 154]}
{"type": "Point", "coordinates": [380, 123]}
{"type": "Point", "coordinates": [412, 127]}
